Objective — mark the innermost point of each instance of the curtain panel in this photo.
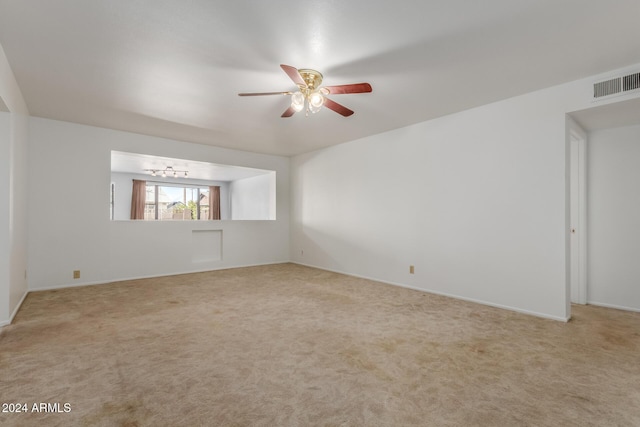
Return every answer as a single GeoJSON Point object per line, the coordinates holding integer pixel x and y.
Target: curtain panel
{"type": "Point", "coordinates": [138, 196]}
{"type": "Point", "coordinates": [214, 202]}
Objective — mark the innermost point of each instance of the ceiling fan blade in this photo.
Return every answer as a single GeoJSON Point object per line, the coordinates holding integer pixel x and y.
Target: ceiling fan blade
{"type": "Point", "coordinates": [352, 88]}
{"type": "Point", "coordinates": [293, 74]}
{"type": "Point", "coordinates": [264, 93]}
{"type": "Point", "coordinates": [340, 109]}
{"type": "Point", "coordinates": [289, 112]}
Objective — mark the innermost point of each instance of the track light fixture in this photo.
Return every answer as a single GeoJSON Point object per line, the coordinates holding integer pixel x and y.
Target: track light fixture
{"type": "Point", "coordinates": [168, 170]}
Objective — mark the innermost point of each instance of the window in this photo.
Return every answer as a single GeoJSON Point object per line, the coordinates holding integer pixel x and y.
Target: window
{"type": "Point", "coordinates": [175, 202]}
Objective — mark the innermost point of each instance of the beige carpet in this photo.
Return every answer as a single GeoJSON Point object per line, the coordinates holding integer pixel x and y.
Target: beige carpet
{"type": "Point", "coordinates": [286, 345]}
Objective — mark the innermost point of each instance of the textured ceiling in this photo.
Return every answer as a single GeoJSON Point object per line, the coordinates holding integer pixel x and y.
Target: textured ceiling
{"type": "Point", "coordinates": [172, 68]}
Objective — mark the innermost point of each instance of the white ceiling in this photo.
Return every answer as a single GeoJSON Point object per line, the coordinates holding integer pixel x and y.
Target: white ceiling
{"type": "Point", "coordinates": [173, 68]}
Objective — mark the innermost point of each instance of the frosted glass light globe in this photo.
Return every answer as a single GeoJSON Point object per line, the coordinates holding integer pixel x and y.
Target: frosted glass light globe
{"type": "Point", "coordinates": [316, 99]}
{"type": "Point", "coordinates": [297, 101]}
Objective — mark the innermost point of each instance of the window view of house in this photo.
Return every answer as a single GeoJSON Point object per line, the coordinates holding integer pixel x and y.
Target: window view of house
{"type": "Point", "coordinates": [176, 203]}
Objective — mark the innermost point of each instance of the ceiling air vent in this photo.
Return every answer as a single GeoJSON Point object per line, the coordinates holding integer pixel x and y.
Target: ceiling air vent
{"type": "Point", "coordinates": [609, 87]}
{"type": "Point", "coordinates": [616, 86]}
{"type": "Point", "coordinates": [630, 82]}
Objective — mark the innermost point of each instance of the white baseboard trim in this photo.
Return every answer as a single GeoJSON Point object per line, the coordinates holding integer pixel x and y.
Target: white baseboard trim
{"type": "Point", "coordinates": [68, 285]}
{"type": "Point", "coordinates": [429, 291]}
{"type": "Point", "coordinates": [124, 279]}
{"type": "Point", "coordinates": [15, 311]}
{"type": "Point", "coordinates": [617, 307]}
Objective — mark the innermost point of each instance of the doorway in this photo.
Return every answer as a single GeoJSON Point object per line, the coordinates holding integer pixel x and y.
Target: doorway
{"type": "Point", "coordinates": [607, 274]}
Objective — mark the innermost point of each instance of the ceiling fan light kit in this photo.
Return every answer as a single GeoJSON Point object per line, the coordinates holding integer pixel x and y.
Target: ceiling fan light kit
{"type": "Point", "coordinates": [308, 92]}
{"type": "Point", "coordinates": [310, 95]}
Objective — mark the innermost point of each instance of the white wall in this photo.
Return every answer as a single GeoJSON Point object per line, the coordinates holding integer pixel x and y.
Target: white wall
{"type": "Point", "coordinates": [476, 201]}
{"type": "Point", "coordinates": [614, 217]}
{"type": "Point", "coordinates": [124, 189]}
{"type": "Point", "coordinates": [5, 239]}
{"type": "Point", "coordinates": [70, 176]}
{"type": "Point", "coordinates": [19, 207]}
{"type": "Point", "coordinates": [13, 194]}
{"type": "Point", "coordinates": [252, 198]}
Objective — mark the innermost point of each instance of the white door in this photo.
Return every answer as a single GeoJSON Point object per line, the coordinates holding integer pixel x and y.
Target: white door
{"type": "Point", "coordinates": [577, 213]}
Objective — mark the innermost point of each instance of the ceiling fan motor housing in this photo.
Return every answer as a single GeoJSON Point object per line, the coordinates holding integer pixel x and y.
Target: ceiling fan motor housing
{"type": "Point", "coordinates": [312, 78]}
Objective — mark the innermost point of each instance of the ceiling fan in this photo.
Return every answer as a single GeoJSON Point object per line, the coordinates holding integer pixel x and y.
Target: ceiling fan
{"type": "Point", "coordinates": [311, 95]}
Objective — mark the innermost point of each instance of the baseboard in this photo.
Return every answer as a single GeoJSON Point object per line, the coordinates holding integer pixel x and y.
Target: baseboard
{"type": "Point", "coordinates": [69, 285]}
{"type": "Point", "coordinates": [124, 279]}
{"type": "Point", "coordinates": [458, 297]}
{"type": "Point", "coordinates": [617, 307]}
{"type": "Point", "coordinates": [15, 311]}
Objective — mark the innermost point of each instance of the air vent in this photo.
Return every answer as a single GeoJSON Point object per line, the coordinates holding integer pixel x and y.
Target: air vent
{"type": "Point", "coordinates": [609, 87]}
{"type": "Point", "coordinates": [616, 86]}
{"type": "Point", "coordinates": [630, 82]}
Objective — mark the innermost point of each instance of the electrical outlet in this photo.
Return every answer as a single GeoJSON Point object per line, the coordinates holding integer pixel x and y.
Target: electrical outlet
{"type": "Point", "coordinates": [302, 252]}
{"type": "Point", "coordinates": [76, 274]}
{"type": "Point", "coordinates": [411, 269]}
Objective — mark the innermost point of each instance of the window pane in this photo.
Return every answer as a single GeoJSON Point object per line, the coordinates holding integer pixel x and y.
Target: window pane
{"type": "Point", "coordinates": [177, 203]}
{"type": "Point", "coordinates": [204, 204]}
{"type": "Point", "coordinates": [150, 203]}
{"type": "Point", "coordinates": [167, 197]}
{"type": "Point", "coordinates": [192, 201]}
